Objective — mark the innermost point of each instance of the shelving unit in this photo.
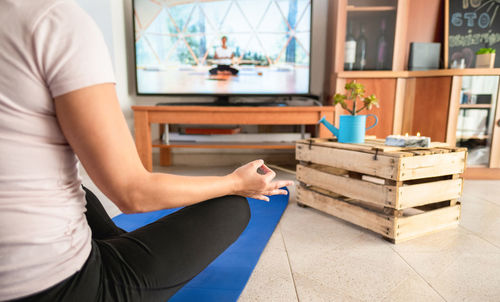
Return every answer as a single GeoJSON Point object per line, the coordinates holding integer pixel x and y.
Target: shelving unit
{"type": "Point", "coordinates": [410, 101]}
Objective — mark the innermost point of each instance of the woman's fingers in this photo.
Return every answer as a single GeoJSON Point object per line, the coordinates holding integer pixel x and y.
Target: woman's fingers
{"type": "Point", "coordinates": [257, 163]}
{"type": "Point", "coordinates": [280, 184]}
{"type": "Point", "coordinates": [270, 175]}
{"type": "Point", "coordinates": [276, 192]}
{"type": "Point", "coordinates": [260, 197]}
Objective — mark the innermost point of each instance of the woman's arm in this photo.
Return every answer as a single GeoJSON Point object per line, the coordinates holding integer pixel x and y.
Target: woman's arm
{"type": "Point", "coordinates": [92, 122]}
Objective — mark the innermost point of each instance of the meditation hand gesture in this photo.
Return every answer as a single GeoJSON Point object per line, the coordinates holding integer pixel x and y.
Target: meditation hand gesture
{"type": "Point", "coordinates": [255, 180]}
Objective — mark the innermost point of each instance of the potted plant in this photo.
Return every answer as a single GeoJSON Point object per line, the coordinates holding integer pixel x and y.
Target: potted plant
{"type": "Point", "coordinates": [352, 127]}
{"type": "Point", "coordinates": [485, 58]}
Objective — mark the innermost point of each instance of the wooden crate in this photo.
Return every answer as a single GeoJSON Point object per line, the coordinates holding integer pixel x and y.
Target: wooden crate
{"type": "Point", "coordinates": [400, 193]}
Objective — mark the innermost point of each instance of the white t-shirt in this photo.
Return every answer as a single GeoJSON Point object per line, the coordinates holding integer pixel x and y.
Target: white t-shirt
{"type": "Point", "coordinates": [224, 55]}
{"type": "Point", "coordinates": [47, 48]}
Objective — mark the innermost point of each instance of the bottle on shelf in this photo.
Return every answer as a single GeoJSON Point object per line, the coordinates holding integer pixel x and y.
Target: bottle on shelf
{"type": "Point", "coordinates": [381, 48]}
{"type": "Point", "coordinates": [349, 49]}
{"type": "Point", "coordinates": [361, 48]}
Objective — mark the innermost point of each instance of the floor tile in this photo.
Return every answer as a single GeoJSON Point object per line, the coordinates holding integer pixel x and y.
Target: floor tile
{"type": "Point", "coordinates": [271, 279]}
{"type": "Point", "coordinates": [413, 289]}
{"type": "Point", "coordinates": [481, 217]}
{"type": "Point", "coordinates": [473, 277]}
{"type": "Point", "coordinates": [431, 255]}
{"type": "Point", "coordinates": [311, 290]}
{"type": "Point", "coordinates": [486, 189]}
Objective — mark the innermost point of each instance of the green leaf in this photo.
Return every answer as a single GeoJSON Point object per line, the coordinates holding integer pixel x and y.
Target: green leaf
{"type": "Point", "coordinates": [370, 101]}
{"type": "Point", "coordinates": [353, 92]}
{"type": "Point", "coordinates": [483, 51]}
{"type": "Point", "coordinates": [339, 98]}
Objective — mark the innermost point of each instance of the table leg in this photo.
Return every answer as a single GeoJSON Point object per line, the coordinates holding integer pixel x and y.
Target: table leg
{"type": "Point", "coordinates": [165, 156]}
{"type": "Point", "coordinates": [143, 142]}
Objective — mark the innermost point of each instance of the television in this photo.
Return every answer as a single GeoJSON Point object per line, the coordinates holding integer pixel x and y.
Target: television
{"type": "Point", "coordinates": [222, 47]}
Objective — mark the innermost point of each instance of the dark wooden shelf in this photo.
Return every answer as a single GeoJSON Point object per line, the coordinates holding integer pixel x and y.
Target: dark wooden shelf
{"type": "Point", "coordinates": [222, 145]}
{"type": "Point", "coordinates": [352, 8]}
{"type": "Point", "coordinates": [465, 137]}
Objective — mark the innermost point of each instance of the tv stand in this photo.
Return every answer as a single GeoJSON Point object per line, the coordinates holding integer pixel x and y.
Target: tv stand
{"type": "Point", "coordinates": [144, 116]}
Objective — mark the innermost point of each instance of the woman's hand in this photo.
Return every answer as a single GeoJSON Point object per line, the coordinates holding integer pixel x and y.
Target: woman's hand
{"type": "Point", "coordinates": [255, 180]}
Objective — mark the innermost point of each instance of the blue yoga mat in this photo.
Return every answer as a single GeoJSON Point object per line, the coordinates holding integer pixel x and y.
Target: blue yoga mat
{"type": "Point", "coordinates": [225, 278]}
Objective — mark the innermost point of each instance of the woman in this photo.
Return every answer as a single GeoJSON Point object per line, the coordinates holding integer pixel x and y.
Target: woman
{"type": "Point", "coordinates": [57, 103]}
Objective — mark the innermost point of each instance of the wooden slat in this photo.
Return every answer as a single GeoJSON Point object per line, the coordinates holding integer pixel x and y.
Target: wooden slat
{"type": "Point", "coordinates": [426, 166]}
{"type": "Point", "coordinates": [368, 146]}
{"type": "Point", "coordinates": [399, 104]}
{"type": "Point", "coordinates": [373, 145]}
{"type": "Point", "coordinates": [446, 32]}
{"type": "Point", "coordinates": [229, 109]}
{"type": "Point", "coordinates": [365, 218]}
{"type": "Point", "coordinates": [427, 222]}
{"type": "Point", "coordinates": [453, 110]}
{"type": "Point", "coordinates": [353, 188]}
{"type": "Point", "coordinates": [384, 166]}
{"type": "Point", "coordinates": [495, 139]}
{"type": "Point", "coordinates": [430, 192]}
{"type": "Point", "coordinates": [377, 74]}
{"type": "Point", "coordinates": [400, 44]}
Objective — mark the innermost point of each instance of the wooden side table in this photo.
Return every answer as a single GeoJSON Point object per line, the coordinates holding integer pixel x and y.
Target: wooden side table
{"type": "Point", "coordinates": [400, 193]}
{"type": "Point", "coordinates": [144, 116]}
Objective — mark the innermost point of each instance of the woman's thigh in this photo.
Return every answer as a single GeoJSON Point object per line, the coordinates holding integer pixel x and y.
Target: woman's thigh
{"type": "Point", "coordinates": [153, 262]}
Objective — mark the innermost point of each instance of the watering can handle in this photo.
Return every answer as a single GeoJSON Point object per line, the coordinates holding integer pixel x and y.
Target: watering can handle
{"type": "Point", "coordinates": [376, 121]}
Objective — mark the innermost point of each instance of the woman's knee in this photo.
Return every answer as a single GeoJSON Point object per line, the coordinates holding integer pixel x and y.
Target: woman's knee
{"type": "Point", "coordinates": [236, 208]}
{"type": "Point", "coordinates": [241, 209]}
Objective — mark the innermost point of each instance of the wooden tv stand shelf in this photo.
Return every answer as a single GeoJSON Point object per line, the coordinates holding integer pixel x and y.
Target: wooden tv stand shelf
{"type": "Point", "coordinates": [144, 116]}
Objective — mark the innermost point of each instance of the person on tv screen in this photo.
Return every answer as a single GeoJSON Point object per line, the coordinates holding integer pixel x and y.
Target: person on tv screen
{"type": "Point", "coordinates": [223, 57]}
{"type": "Point", "coordinates": [59, 107]}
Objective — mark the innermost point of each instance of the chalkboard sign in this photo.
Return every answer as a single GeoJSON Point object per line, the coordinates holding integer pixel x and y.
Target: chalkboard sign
{"type": "Point", "coordinates": [471, 25]}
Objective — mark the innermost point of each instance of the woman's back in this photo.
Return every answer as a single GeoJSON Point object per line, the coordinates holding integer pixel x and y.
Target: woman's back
{"type": "Point", "coordinates": [44, 236]}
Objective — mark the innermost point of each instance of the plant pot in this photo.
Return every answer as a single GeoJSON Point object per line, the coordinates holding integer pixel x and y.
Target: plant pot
{"type": "Point", "coordinates": [486, 60]}
{"type": "Point", "coordinates": [352, 128]}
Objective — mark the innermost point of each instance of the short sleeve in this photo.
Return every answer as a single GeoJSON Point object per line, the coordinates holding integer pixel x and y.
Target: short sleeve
{"type": "Point", "coordinates": [69, 50]}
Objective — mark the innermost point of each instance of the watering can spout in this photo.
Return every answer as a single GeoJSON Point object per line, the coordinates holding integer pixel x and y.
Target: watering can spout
{"type": "Point", "coordinates": [330, 127]}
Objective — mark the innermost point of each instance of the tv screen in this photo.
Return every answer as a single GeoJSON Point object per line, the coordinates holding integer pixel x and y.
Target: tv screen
{"type": "Point", "coordinates": [222, 47]}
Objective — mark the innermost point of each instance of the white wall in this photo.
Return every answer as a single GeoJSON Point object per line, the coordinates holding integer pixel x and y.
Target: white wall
{"type": "Point", "coordinates": [109, 16]}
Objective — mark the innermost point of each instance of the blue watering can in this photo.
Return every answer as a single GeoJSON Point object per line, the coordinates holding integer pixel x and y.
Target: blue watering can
{"type": "Point", "coordinates": [352, 128]}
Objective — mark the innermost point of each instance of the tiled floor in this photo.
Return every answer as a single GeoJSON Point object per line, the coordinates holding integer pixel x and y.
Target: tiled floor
{"type": "Point", "coordinates": [315, 257]}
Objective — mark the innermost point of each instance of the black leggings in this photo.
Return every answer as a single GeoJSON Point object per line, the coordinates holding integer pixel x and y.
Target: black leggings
{"type": "Point", "coordinates": [151, 263]}
{"type": "Point", "coordinates": [233, 70]}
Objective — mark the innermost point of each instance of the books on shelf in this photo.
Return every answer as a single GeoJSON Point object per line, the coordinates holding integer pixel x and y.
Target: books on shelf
{"type": "Point", "coordinates": [238, 138]}
{"type": "Point", "coordinates": [210, 131]}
